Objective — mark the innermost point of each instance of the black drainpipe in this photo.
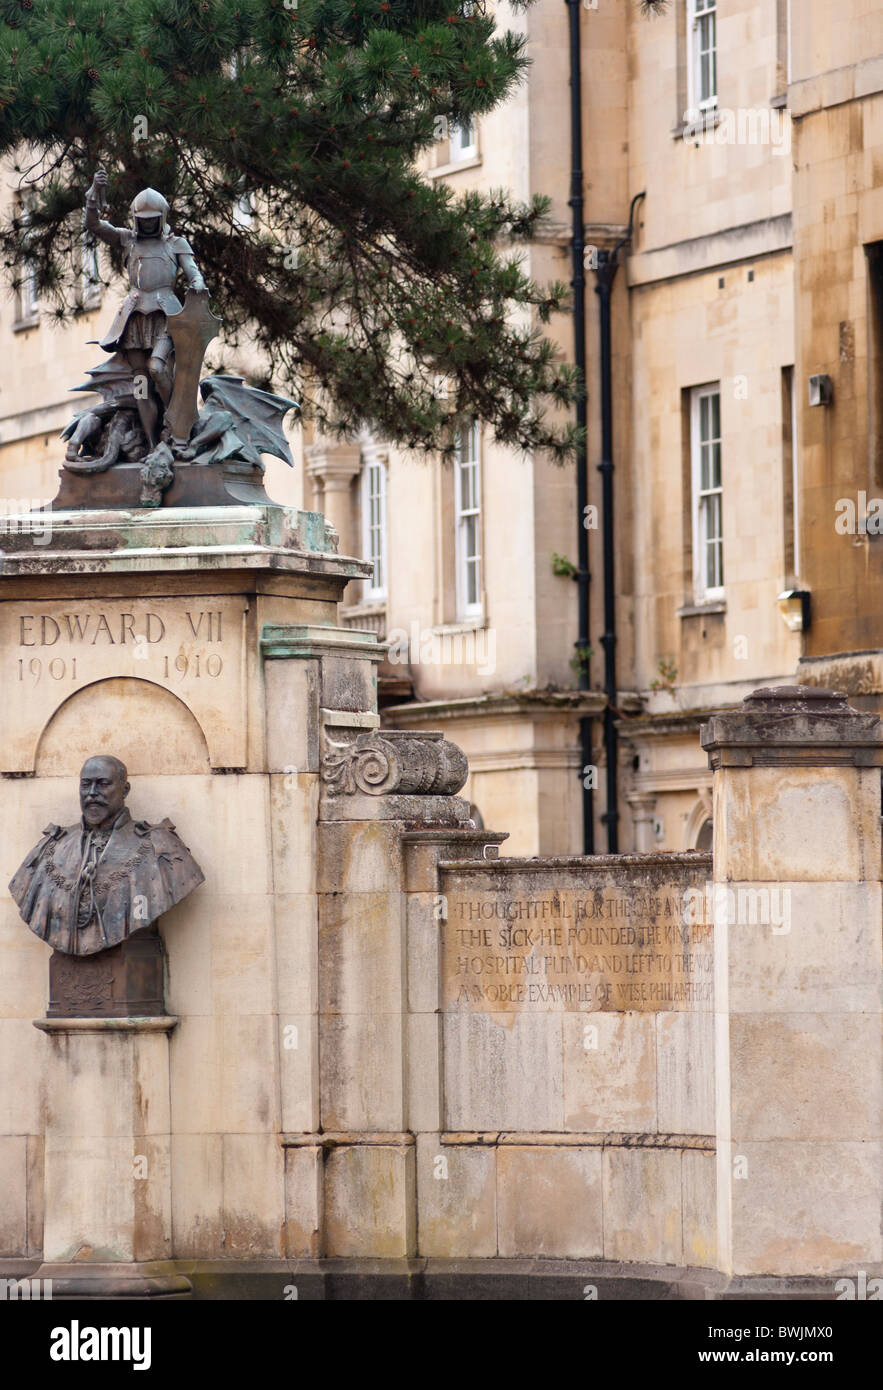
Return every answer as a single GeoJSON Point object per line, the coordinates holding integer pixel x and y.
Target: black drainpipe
{"type": "Point", "coordinates": [605, 275]}
{"type": "Point", "coordinates": [582, 475]}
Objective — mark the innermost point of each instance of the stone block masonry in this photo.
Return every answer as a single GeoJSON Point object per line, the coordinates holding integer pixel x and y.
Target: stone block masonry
{"type": "Point", "coordinates": [384, 1040]}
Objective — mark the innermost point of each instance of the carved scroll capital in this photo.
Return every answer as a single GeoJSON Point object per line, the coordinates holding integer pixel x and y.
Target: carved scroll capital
{"type": "Point", "coordinates": [382, 762]}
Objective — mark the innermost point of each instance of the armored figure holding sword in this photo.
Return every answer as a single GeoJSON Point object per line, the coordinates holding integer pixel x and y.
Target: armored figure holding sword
{"type": "Point", "coordinates": [150, 386]}
{"type": "Point", "coordinates": [154, 259]}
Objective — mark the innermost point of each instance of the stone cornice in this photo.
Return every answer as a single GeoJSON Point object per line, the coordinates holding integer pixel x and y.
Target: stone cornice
{"type": "Point", "coordinates": [340, 463]}
{"type": "Point", "coordinates": [666, 859]}
{"type": "Point", "coordinates": [855, 673]}
{"type": "Point", "coordinates": [282, 641]}
{"type": "Point", "coordinates": [767, 236]}
{"type": "Point", "coordinates": [157, 1023]}
{"type": "Point", "coordinates": [664, 725]}
{"type": "Point", "coordinates": [500, 704]}
{"type": "Point", "coordinates": [836, 86]}
{"type": "Point", "coordinates": [167, 539]}
{"type": "Point", "coordinates": [690, 779]}
{"type": "Point", "coordinates": [796, 726]}
{"type": "Point", "coordinates": [525, 760]}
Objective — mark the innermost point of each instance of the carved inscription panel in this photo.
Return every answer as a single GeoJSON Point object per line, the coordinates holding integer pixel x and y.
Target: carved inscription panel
{"type": "Point", "coordinates": [615, 949]}
{"type": "Point", "coordinates": [192, 647]}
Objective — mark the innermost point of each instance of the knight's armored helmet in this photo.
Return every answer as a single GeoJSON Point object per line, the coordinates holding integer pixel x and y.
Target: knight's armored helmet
{"type": "Point", "coordinates": [150, 213]}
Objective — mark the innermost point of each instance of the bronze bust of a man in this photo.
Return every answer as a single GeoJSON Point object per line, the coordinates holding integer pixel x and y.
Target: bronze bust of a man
{"type": "Point", "coordinates": [85, 888]}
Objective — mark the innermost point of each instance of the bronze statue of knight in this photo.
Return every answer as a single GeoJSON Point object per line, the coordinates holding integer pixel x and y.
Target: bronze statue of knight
{"type": "Point", "coordinates": [154, 259]}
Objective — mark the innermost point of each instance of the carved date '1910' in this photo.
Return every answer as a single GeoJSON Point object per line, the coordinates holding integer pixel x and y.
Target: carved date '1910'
{"type": "Point", "coordinates": [214, 665]}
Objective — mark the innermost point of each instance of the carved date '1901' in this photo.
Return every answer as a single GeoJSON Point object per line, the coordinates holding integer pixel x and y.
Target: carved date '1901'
{"type": "Point", "coordinates": [57, 668]}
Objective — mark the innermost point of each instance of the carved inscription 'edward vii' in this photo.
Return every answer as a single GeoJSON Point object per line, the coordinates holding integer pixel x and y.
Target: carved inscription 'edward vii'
{"type": "Point", "coordinates": [194, 648]}
{"type": "Point", "coordinates": [115, 628]}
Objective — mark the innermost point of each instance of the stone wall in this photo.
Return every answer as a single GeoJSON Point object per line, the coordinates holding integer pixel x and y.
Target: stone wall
{"type": "Point", "coordinates": [383, 1040]}
{"type": "Point", "coordinates": [575, 1113]}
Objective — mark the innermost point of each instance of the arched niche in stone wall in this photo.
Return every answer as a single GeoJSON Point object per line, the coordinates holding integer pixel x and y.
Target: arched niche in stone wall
{"type": "Point", "coordinates": [698, 825]}
{"type": "Point", "coordinates": [145, 725]}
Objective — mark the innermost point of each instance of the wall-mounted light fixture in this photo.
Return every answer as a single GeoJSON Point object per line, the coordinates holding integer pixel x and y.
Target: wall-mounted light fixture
{"type": "Point", "coordinates": [821, 390]}
{"type": "Point", "coordinates": [794, 607]}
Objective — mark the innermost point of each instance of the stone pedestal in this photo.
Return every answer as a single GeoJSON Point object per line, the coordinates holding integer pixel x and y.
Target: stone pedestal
{"type": "Point", "coordinates": [107, 1176]}
{"type": "Point", "coordinates": [125, 982]}
{"type": "Point", "coordinates": [194, 485]}
{"type": "Point", "coordinates": [797, 983]}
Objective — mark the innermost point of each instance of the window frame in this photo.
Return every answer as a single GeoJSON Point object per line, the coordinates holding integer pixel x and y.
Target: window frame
{"type": "Point", "coordinates": [459, 153]}
{"type": "Point", "coordinates": [463, 559]}
{"type": "Point", "coordinates": [374, 465]}
{"type": "Point", "coordinates": [694, 52]}
{"type": "Point", "coordinates": [704, 592]}
{"type": "Point", "coordinates": [27, 298]}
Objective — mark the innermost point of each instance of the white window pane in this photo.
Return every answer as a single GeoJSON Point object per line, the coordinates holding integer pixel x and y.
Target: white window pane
{"type": "Point", "coordinates": [374, 524]}
{"type": "Point", "coordinates": [462, 139]}
{"type": "Point", "coordinates": [470, 537]}
{"type": "Point", "coordinates": [712, 43]}
{"type": "Point", "coordinates": [469, 487]}
{"type": "Point", "coordinates": [704, 408]}
{"type": "Point", "coordinates": [707, 492]}
{"type": "Point", "coordinates": [715, 565]}
{"type": "Point", "coordinates": [467, 498]}
{"type": "Point", "coordinates": [715, 452]}
{"type": "Point", "coordinates": [713, 513]}
{"type": "Point", "coordinates": [472, 586]}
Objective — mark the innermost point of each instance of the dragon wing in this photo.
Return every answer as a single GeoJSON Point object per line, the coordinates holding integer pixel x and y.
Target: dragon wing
{"type": "Point", "coordinates": [257, 415]}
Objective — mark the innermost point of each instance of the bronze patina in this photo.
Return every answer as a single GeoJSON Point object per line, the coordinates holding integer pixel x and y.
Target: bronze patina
{"type": "Point", "coordinates": [86, 888]}
{"type": "Point", "coordinates": [129, 448]}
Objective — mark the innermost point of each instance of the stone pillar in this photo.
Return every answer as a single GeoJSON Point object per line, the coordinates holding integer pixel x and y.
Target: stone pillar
{"type": "Point", "coordinates": [797, 983]}
{"type": "Point", "coordinates": [377, 785]}
{"type": "Point", "coordinates": [107, 1159]}
{"type": "Point", "coordinates": [333, 466]}
{"type": "Point", "coordinates": [643, 806]}
{"type": "Point", "coordinates": [457, 1214]}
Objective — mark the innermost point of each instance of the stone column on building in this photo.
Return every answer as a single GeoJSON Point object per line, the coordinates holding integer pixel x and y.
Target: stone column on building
{"type": "Point", "coordinates": [797, 907]}
{"type": "Point", "coordinates": [333, 465]}
{"type": "Point", "coordinates": [643, 806]}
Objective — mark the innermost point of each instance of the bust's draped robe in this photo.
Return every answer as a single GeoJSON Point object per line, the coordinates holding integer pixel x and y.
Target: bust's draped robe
{"type": "Point", "coordinates": [83, 891]}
